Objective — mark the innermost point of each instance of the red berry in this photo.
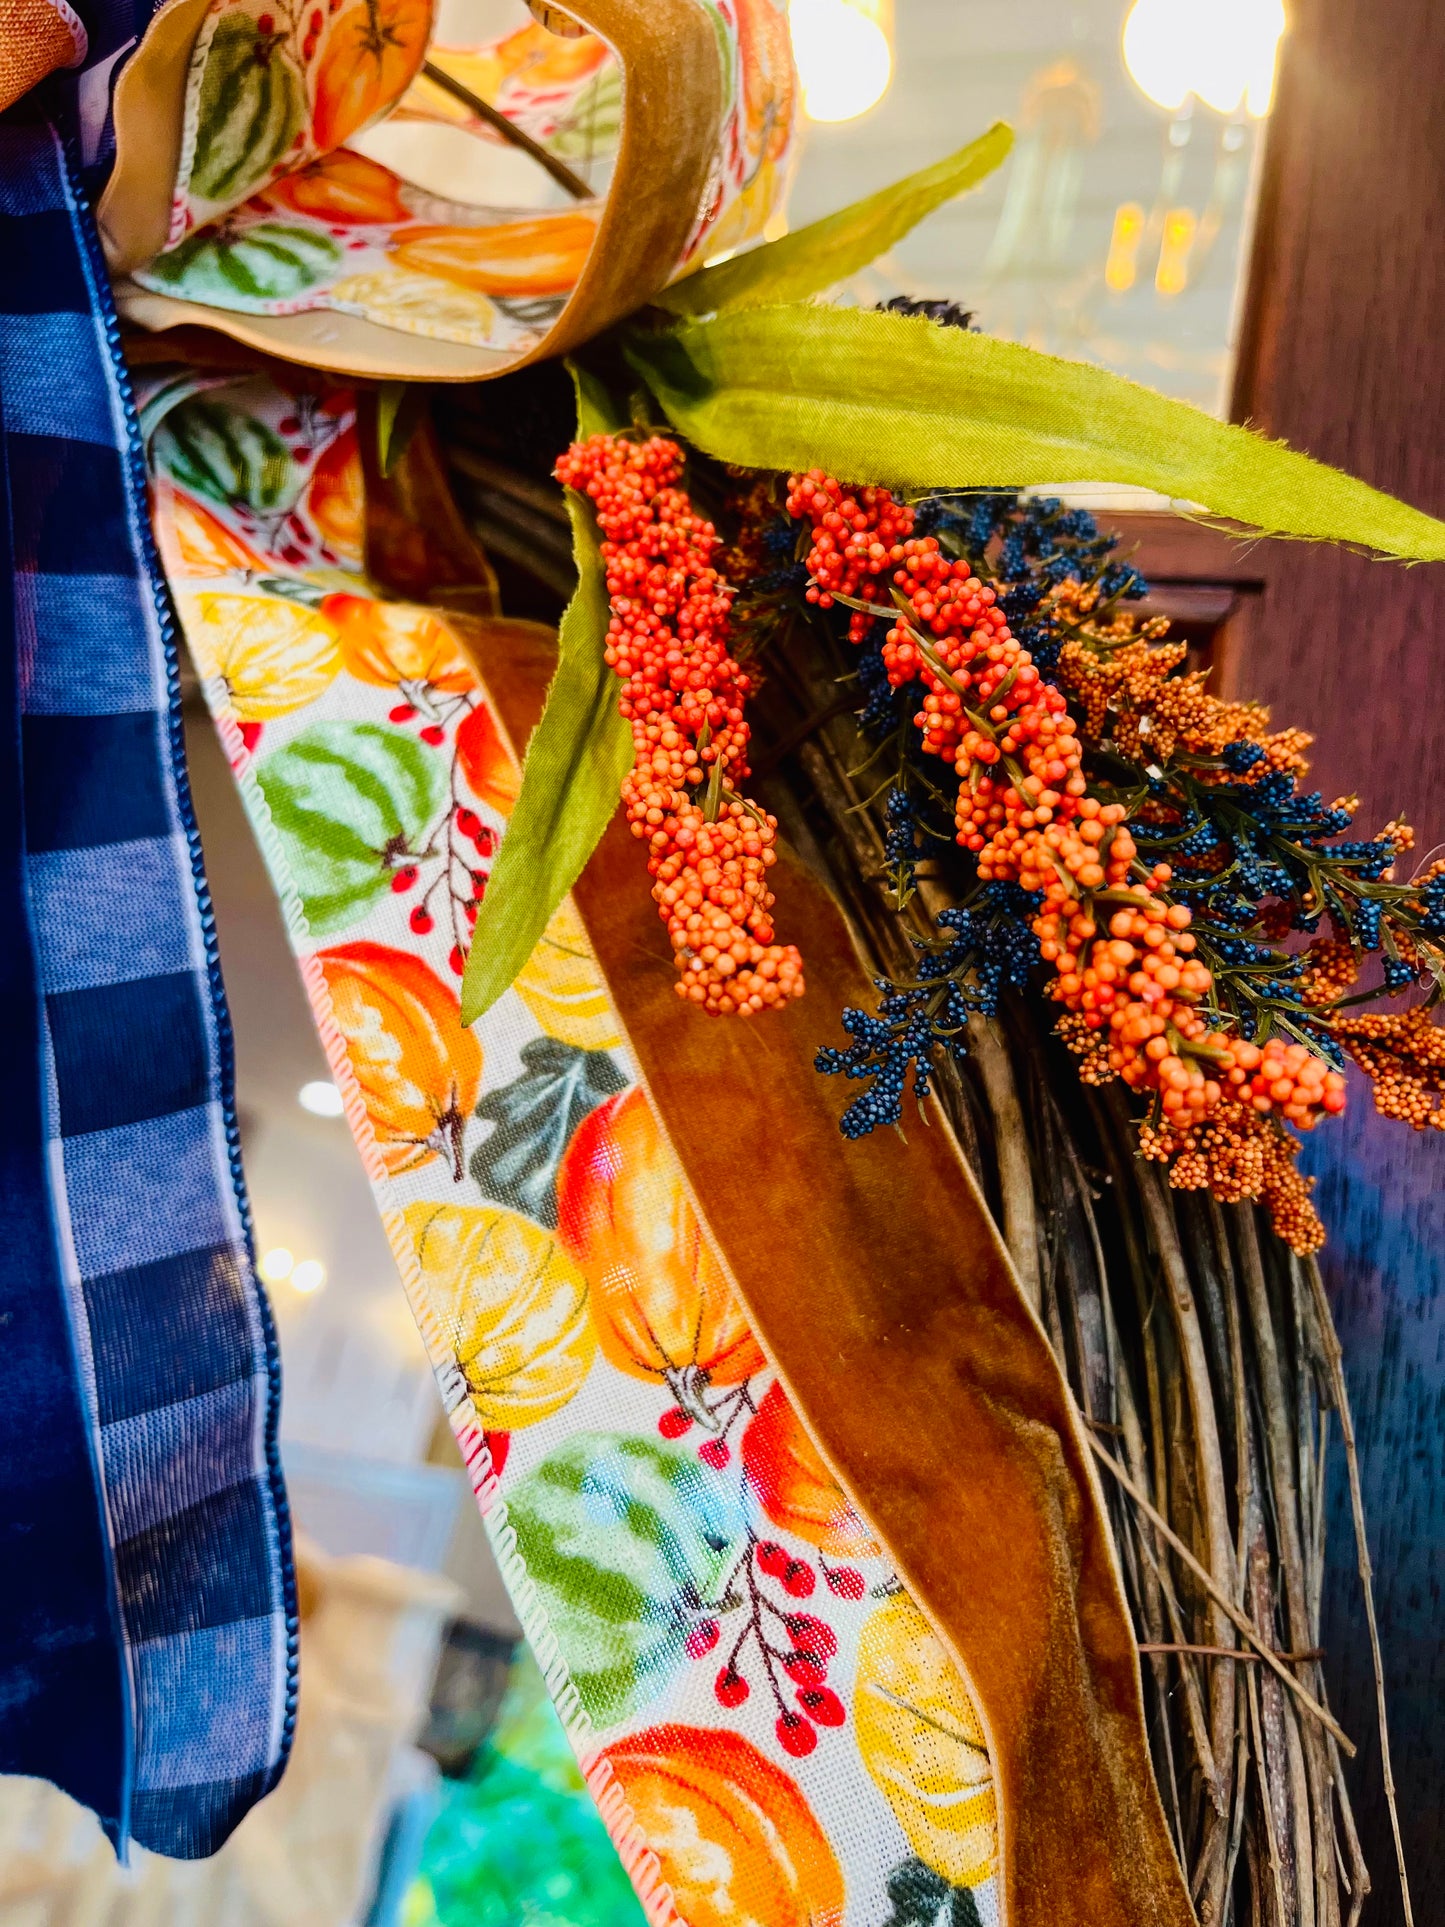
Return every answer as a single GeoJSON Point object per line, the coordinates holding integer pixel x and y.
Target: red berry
{"type": "Point", "coordinates": [468, 822]}
{"type": "Point", "coordinates": [715, 1453]}
{"type": "Point", "coordinates": [457, 961]}
{"type": "Point", "coordinates": [731, 1688]}
{"type": "Point", "coordinates": [403, 713]}
{"type": "Point", "coordinates": [404, 878]}
{"type": "Point", "coordinates": [822, 1704]}
{"type": "Point", "coordinates": [811, 1635]}
{"type": "Point", "coordinates": [796, 1735]}
{"type": "Point", "coordinates": [846, 1581]}
{"type": "Point", "coordinates": [433, 733]}
{"type": "Point", "coordinates": [499, 1444]}
{"type": "Point", "coordinates": [673, 1423]}
{"type": "Point", "coordinates": [251, 734]}
{"type": "Point", "coordinates": [485, 840]}
{"type": "Point", "coordinates": [703, 1637]}
{"type": "Point", "coordinates": [773, 1559]}
{"type": "Point", "coordinates": [799, 1579]}
{"type": "Point", "coordinates": [420, 920]}
{"type": "Point", "coordinates": [804, 1670]}
{"type": "Point", "coordinates": [266, 23]}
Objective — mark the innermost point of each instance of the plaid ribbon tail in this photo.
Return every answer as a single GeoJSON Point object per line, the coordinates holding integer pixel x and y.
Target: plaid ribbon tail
{"type": "Point", "coordinates": [135, 1266]}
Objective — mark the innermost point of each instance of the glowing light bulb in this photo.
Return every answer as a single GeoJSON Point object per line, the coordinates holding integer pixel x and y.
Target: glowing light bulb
{"type": "Point", "coordinates": [308, 1276]}
{"type": "Point", "coordinates": [1223, 51]}
{"type": "Point", "coordinates": [276, 1265]}
{"type": "Point", "coordinates": [321, 1098]}
{"type": "Point", "coordinates": [845, 60]}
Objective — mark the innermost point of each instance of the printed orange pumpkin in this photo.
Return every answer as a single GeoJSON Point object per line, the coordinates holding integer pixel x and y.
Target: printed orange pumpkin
{"type": "Point", "coordinates": [486, 762]}
{"type": "Point", "coordinates": [195, 541]}
{"type": "Point", "coordinates": [542, 256]}
{"type": "Point", "coordinates": [418, 1069]}
{"type": "Point", "coordinates": [391, 643]}
{"type": "Point", "coordinates": [794, 1487]}
{"type": "Point", "coordinates": [530, 58]}
{"type": "Point", "coordinates": [373, 52]}
{"type": "Point", "coordinates": [336, 497]}
{"type": "Point", "coordinates": [765, 58]}
{"type": "Point", "coordinates": [344, 188]}
{"type": "Point", "coordinates": [663, 1307]}
{"type": "Point", "coordinates": [738, 1843]}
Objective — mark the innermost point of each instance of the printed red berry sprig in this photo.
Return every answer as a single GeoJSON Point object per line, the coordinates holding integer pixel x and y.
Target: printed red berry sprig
{"type": "Point", "coordinates": [709, 848]}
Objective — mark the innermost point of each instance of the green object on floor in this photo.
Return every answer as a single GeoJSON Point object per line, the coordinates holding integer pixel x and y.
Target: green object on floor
{"type": "Point", "coordinates": [518, 1843]}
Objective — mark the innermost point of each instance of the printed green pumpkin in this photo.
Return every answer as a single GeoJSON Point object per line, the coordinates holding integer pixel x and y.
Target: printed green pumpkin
{"type": "Point", "coordinates": [352, 802]}
{"type": "Point", "coordinates": [250, 109]}
{"type": "Point", "coordinates": [246, 267]}
{"type": "Point", "coordinates": [227, 457]}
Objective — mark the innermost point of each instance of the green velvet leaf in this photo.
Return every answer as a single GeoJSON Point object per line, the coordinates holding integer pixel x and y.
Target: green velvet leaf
{"type": "Point", "coordinates": [898, 399]}
{"type": "Point", "coordinates": [571, 774]}
{"type": "Point", "coordinates": [623, 1537]}
{"type": "Point", "coordinates": [826, 252]}
{"type": "Point", "coordinates": [351, 802]}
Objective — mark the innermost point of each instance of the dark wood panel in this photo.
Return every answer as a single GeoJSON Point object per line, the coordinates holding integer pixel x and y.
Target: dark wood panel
{"type": "Point", "coordinates": [1344, 355]}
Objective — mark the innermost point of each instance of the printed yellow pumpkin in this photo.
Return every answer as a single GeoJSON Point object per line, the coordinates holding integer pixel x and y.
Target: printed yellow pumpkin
{"type": "Point", "coordinates": [541, 256]}
{"type": "Point", "coordinates": [516, 1303]}
{"type": "Point", "coordinates": [419, 1071]}
{"type": "Point", "coordinates": [272, 656]}
{"type": "Point", "coordinates": [737, 1841]}
{"type": "Point", "coordinates": [562, 986]}
{"type": "Point", "coordinates": [663, 1306]}
{"type": "Point", "coordinates": [921, 1740]}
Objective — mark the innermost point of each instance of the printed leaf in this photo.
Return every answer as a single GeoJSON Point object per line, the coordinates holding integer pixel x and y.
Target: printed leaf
{"type": "Point", "coordinates": [826, 252]}
{"type": "Point", "coordinates": [896, 398]}
{"type": "Point", "coordinates": [233, 459]}
{"type": "Point", "coordinates": [623, 1537]}
{"type": "Point", "coordinates": [245, 267]}
{"type": "Point", "coordinates": [922, 1898]}
{"type": "Point", "coordinates": [571, 775]}
{"type": "Point", "coordinates": [535, 1117]}
{"type": "Point", "coordinates": [351, 803]}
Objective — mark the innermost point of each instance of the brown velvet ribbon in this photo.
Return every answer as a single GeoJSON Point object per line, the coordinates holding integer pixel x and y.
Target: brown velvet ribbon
{"type": "Point", "coordinates": [673, 96]}
{"type": "Point", "coordinates": [876, 1281]}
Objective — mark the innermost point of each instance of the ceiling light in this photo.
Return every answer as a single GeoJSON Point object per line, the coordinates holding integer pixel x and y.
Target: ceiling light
{"type": "Point", "coordinates": [321, 1098]}
{"type": "Point", "coordinates": [309, 1275]}
{"type": "Point", "coordinates": [277, 1264]}
{"type": "Point", "coordinates": [845, 61]}
{"type": "Point", "coordinates": [1223, 51]}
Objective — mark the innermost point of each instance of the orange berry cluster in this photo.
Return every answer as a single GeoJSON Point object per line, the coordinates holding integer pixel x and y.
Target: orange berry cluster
{"type": "Point", "coordinates": [1023, 809]}
{"type": "Point", "coordinates": [709, 851]}
{"type": "Point", "coordinates": [1403, 1055]}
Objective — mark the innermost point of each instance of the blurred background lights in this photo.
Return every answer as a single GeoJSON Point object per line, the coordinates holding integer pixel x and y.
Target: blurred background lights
{"type": "Point", "coordinates": [844, 54]}
{"type": "Point", "coordinates": [322, 1098]}
{"type": "Point", "coordinates": [308, 1276]}
{"type": "Point", "coordinates": [1222, 51]}
{"type": "Point", "coordinates": [277, 1265]}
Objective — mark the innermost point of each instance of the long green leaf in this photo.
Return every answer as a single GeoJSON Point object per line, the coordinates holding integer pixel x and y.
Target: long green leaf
{"type": "Point", "coordinates": [826, 252]}
{"type": "Point", "coordinates": [571, 774]}
{"type": "Point", "coordinates": [892, 398]}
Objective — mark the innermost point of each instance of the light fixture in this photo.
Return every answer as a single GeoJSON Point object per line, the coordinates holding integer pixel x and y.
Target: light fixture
{"type": "Point", "coordinates": [1223, 51]}
{"type": "Point", "coordinates": [844, 54]}
{"type": "Point", "coordinates": [321, 1098]}
{"type": "Point", "coordinates": [308, 1276]}
{"type": "Point", "coordinates": [276, 1264]}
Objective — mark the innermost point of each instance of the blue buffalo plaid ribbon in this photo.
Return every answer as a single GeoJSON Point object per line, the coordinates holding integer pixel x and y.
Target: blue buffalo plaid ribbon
{"type": "Point", "coordinates": [147, 1612]}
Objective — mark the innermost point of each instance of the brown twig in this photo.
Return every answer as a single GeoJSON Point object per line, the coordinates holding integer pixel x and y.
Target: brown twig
{"type": "Point", "coordinates": [1334, 1359]}
{"type": "Point", "coordinates": [1232, 1612]}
